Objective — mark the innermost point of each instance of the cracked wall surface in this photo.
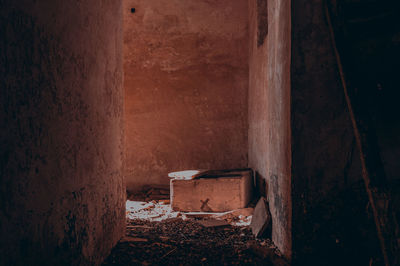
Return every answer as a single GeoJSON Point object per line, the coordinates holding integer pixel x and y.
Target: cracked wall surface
{"type": "Point", "coordinates": [61, 150]}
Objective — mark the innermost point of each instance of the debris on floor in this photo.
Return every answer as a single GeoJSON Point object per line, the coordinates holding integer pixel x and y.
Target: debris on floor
{"type": "Point", "coordinates": [151, 211]}
{"type": "Point", "coordinates": [160, 210]}
{"type": "Point", "coordinates": [213, 223]}
{"type": "Point", "coordinates": [157, 235]}
{"type": "Point", "coordinates": [186, 242]}
{"type": "Point", "coordinates": [265, 251]}
{"type": "Point", "coordinates": [239, 217]}
{"type": "Point", "coordinates": [134, 239]}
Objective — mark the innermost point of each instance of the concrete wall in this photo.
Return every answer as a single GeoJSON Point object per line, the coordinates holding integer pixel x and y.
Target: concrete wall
{"type": "Point", "coordinates": [321, 123]}
{"type": "Point", "coordinates": [367, 35]}
{"type": "Point", "coordinates": [61, 183]}
{"type": "Point", "coordinates": [330, 224]}
{"type": "Point", "coordinates": [269, 111]}
{"type": "Point", "coordinates": [370, 55]}
{"type": "Point", "coordinates": [186, 79]}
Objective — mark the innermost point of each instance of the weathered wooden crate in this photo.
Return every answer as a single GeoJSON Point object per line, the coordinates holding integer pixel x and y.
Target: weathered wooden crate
{"type": "Point", "coordinates": [215, 191]}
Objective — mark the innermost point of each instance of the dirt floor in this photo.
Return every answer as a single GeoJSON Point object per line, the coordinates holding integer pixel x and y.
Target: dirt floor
{"type": "Point", "coordinates": [156, 235]}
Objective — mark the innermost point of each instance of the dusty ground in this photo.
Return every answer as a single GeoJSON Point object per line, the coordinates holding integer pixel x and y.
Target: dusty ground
{"type": "Point", "coordinates": [169, 238]}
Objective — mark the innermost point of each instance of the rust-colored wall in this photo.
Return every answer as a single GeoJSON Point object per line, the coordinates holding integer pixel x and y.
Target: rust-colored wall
{"type": "Point", "coordinates": [269, 111]}
{"type": "Point", "coordinates": [186, 80]}
{"type": "Point", "coordinates": [61, 106]}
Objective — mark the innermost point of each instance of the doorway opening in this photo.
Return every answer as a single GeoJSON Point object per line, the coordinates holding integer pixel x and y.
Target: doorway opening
{"type": "Point", "coordinates": [186, 67]}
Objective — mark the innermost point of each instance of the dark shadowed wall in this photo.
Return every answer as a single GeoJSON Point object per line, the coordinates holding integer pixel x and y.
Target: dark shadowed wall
{"type": "Point", "coordinates": [367, 35]}
{"type": "Point", "coordinates": [330, 222]}
{"type": "Point", "coordinates": [269, 110]}
{"type": "Point", "coordinates": [61, 183]}
{"type": "Point", "coordinates": [186, 80]}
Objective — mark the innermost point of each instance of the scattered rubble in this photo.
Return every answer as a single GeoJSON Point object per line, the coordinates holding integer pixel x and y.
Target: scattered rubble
{"type": "Point", "coordinates": [134, 239]}
{"type": "Point", "coordinates": [187, 242]}
{"type": "Point", "coordinates": [159, 210]}
{"type": "Point", "coordinates": [157, 235]}
{"type": "Point", "coordinates": [266, 251]}
{"type": "Point", "coordinates": [151, 211]}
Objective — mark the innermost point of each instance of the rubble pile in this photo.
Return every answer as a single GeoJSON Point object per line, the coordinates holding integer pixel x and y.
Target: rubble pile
{"type": "Point", "coordinates": [175, 241]}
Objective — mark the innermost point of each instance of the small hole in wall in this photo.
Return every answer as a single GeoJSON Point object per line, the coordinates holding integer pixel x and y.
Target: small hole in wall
{"type": "Point", "coordinates": [262, 21]}
{"type": "Point", "coordinates": [133, 10]}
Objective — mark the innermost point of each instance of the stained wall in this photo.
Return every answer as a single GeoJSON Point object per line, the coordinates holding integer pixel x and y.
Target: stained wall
{"type": "Point", "coordinates": [186, 80]}
{"type": "Point", "coordinates": [269, 111]}
{"type": "Point", "coordinates": [61, 150]}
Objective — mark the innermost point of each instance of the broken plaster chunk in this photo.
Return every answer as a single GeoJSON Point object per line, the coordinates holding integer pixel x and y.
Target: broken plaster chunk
{"type": "Point", "coordinates": [261, 221]}
{"type": "Point", "coordinates": [213, 223]}
{"type": "Point", "coordinates": [186, 175]}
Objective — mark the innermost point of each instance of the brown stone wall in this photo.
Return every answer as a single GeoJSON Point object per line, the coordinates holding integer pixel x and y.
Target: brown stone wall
{"type": "Point", "coordinates": [269, 111]}
{"type": "Point", "coordinates": [186, 80]}
{"type": "Point", "coordinates": [61, 106]}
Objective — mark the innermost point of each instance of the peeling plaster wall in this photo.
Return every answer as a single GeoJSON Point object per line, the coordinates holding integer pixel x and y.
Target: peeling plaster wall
{"type": "Point", "coordinates": [186, 80]}
{"type": "Point", "coordinates": [61, 106]}
{"type": "Point", "coordinates": [269, 111]}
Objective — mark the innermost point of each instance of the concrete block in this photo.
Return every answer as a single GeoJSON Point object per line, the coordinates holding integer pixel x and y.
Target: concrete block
{"type": "Point", "coordinates": [217, 191]}
{"type": "Point", "coordinates": [261, 220]}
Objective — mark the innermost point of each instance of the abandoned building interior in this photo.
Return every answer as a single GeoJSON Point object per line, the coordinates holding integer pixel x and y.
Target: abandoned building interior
{"type": "Point", "coordinates": [285, 112]}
